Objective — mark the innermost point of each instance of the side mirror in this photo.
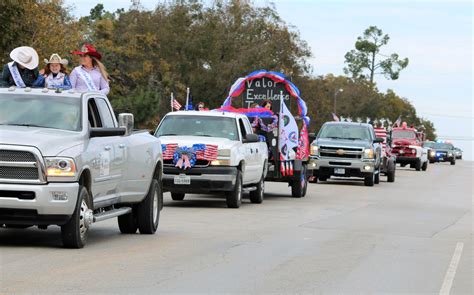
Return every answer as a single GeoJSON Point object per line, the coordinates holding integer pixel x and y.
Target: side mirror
{"type": "Point", "coordinates": [125, 120]}
{"type": "Point", "coordinates": [378, 140]}
{"type": "Point", "coordinates": [105, 132]}
{"type": "Point", "coordinates": [249, 138]}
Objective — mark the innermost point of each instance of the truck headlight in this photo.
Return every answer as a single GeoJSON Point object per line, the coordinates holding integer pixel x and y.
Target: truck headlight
{"type": "Point", "coordinates": [223, 153]}
{"type": "Point", "coordinates": [432, 153]}
{"type": "Point", "coordinates": [221, 162]}
{"type": "Point", "coordinates": [314, 150]}
{"type": "Point", "coordinates": [60, 167]}
{"type": "Point", "coordinates": [450, 154]}
{"type": "Point", "coordinates": [369, 153]}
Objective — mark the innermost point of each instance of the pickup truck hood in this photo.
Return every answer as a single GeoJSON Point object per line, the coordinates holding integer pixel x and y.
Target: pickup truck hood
{"type": "Point", "coordinates": [222, 143]}
{"type": "Point", "coordinates": [342, 143]}
{"type": "Point", "coordinates": [404, 142]}
{"type": "Point", "coordinates": [50, 142]}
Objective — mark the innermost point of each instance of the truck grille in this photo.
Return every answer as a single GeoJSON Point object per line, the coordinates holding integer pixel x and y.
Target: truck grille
{"type": "Point", "coordinates": [17, 166]}
{"type": "Point", "coordinates": [341, 152]}
{"type": "Point", "coordinates": [16, 156]}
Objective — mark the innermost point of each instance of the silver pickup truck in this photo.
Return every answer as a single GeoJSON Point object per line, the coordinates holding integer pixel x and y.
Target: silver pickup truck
{"type": "Point", "coordinates": [65, 160]}
{"type": "Point", "coordinates": [346, 149]}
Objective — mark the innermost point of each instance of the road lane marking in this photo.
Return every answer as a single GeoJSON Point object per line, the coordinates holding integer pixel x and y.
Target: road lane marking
{"type": "Point", "coordinates": [453, 266]}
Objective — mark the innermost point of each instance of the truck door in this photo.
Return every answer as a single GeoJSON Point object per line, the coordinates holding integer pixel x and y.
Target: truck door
{"type": "Point", "coordinates": [109, 153]}
{"type": "Point", "coordinates": [251, 163]}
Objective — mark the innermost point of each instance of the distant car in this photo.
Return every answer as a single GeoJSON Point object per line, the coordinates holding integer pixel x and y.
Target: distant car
{"type": "Point", "coordinates": [458, 153]}
{"type": "Point", "coordinates": [441, 152]}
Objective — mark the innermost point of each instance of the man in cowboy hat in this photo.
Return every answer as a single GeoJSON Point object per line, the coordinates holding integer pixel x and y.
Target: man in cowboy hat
{"type": "Point", "coordinates": [23, 70]}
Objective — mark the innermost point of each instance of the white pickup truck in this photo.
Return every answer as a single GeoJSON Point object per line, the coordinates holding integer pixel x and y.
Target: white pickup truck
{"type": "Point", "coordinates": [208, 151]}
{"type": "Point", "coordinates": [65, 160]}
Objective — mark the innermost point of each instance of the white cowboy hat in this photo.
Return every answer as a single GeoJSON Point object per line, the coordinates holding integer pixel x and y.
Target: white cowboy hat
{"type": "Point", "coordinates": [25, 56]}
{"type": "Point", "coordinates": [56, 59]}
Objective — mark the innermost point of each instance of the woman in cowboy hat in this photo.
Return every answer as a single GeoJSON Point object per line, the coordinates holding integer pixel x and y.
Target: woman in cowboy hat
{"type": "Point", "coordinates": [23, 70]}
{"type": "Point", "coordinates": [91, 75]}
{"type": "Point", "coordinates": [54, 75]}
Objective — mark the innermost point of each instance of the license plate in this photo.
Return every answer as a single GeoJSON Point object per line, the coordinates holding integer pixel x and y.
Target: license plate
{"type": "Point", "coordinates": [182, 179]}
{"type": "Point", "coordinates": [441, 159]}
{"type": "Point", "coordinates": [339, 171]}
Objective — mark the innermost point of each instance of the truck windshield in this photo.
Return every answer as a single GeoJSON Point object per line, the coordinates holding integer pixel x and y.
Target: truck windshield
{"type": "Point", "coordinates": [443, 146]}
{"type": "Point", "coordinates": [345, 131]}
{"type": "Point", "coordinates": [198, 126]}
{"type": "Point", "coordinates": [403, 134]}
{"type": "Point", "coordinates": [56, 112]}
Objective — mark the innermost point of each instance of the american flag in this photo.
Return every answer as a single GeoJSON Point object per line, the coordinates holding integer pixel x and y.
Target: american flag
{"type": "Point", "coordinates": [382, 133]}
{"type": "Point", "coordinates": [168, 150]}
{"type": "Point", "coordinates": [176, 105]}
{"type": "Point", "coordinates": [209, 154]}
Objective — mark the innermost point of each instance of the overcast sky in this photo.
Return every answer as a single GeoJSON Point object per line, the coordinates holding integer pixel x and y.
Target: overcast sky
{"type": "Point", "coordinates": [435, 35]}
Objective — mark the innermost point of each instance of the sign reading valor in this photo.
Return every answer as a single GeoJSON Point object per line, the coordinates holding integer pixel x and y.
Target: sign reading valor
{"type": "Point", "coordinates": [258, 90]}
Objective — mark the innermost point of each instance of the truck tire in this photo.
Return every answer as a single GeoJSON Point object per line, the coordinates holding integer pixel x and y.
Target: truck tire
{"type": "Point", "coordinates": [369, 180]}
{"type": "Point", "coordinates": [177, 196]}
{"type": "Point", "coordinates": [432, 161]}
{"type": "Point", "coordinates": [148, 211]}
{"type": "Point", "coordinates": [234, 197]}
{"type": "Point", "coordinates": [453, 162]}
{"type": "Point", "coordinates": [418, 165]}
{"type": "Point", "coordinates": [424, 166]}
{"type": "Point", "coordinates": [128, 223]}
{"type": "Point", "coordinates": [256, 196]}
{"type": "Point", "coordinates": [377, 178]}
{"type": "Point", "coordinates": [391, 172]}
{"type": "Point", "coordinates": [74, 233]}
{"type": "Point", "coordinates": [300, 186]}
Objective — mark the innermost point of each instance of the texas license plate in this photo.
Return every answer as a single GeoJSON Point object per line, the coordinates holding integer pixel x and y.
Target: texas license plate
{"type": "Point", "coordinates": [339, 171]}
{"type": "Point", "coordinates": [182, 179]}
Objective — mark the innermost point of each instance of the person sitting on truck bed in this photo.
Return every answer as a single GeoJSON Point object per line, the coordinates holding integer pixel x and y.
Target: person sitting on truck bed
{"type": "Point", "coordinates": [23, 70]}
{"type": "Point", "coordinates": [91, 75]}
{"type": "Point", "coordinates": [54, 75]}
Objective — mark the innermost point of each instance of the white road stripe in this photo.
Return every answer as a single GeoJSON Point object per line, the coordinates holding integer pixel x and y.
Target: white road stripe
{"type": "Point", "coordinates": [453, 266]}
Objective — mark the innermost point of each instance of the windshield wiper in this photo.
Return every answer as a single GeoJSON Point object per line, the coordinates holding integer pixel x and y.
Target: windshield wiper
{"type": "Point", "coordinates": [355, 138]}
{"type": "Point", "coordinates": [335, 137]}
{"type": "Point", "coordinates": [29, 125]}
{"type": "Point", "coordinates": [168, 134]}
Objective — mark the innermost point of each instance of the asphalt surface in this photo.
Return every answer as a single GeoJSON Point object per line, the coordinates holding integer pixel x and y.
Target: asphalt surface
{"type": "Point", "coordinates": [411, 236]}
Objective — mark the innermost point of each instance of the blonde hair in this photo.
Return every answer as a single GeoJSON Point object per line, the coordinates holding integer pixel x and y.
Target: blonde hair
{"type": "Point", "coordinates": [102, 69]}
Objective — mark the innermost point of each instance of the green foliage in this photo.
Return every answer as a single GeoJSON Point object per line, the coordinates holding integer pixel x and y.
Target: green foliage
{"type": "Point", "coordinates": [183, 43]}
{"type": "Point", "coordinates": [366, 55]}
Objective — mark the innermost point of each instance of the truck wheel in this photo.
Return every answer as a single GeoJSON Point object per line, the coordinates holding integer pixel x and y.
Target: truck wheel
{"type": "Point", "coordinates": [256, 196]}
{"type": "Point", "coordinates": [453, 162]}
{"type": "Point", "coordinates": [148, 211]}
{"type": "Point", "coordinates": [369, 180]}
{"type": "Point", "coordinates": [299, 186]}
{"type": "Point", "coordinates": [177, 196]}
{"type": "Point", "coordinates": [418, 165]}
{"type": "Point", "coordinates": [424, 166]}
{"type": "Point", "coordinates": [391, 175]}
{"type": "Point", "coordinates": [128, 223]}
{"type": "Point", "coordinates": [74, 233]}
{"type": "Point", "coordinates": [377, 178]}
{"type": "Point", "coordinates": [431, 161]}
{"type": "Point", "coordinates": [323, 178]}
{"type": "Point", "coordinates": [234, 198]}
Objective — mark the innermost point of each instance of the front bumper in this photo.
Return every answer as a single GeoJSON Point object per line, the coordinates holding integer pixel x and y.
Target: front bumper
{"type": "Point", "coordinates": [352, 168]}
{"type": "Point", "coordinates": [203, 180]}
{"type": "Point", "coordinates": [407, 160]}
{"type": "Point", "coordinates": [34, 204]}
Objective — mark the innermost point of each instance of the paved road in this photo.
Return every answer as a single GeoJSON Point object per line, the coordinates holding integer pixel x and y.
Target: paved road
{"type": "Point", "coordinates": [343, 237]}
